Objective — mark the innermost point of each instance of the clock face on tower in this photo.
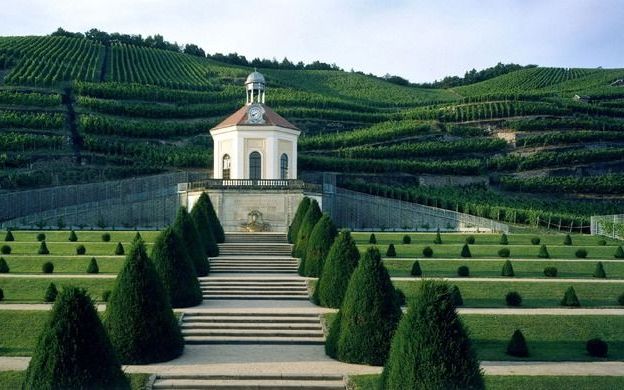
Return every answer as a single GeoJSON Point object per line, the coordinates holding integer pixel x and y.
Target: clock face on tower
{"type": "Point", "coordinates": [255, 114]}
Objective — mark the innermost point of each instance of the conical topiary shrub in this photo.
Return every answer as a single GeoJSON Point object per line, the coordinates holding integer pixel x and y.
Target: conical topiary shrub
{"type": "Point", "coordinates": [507, 269]}
{"type": "Point", "coordinates": [73, 350]}
{"type": "Point", "coordinates": [137, 236]}
{"type": "Point", "coordinates": [372, 239]}
{"type": "Point", "coordinates": [321, 240]}
{"type": "Point", "coordinates": [204, 230]}
{"type": "Point", "coordinates": [465, 252]}
{"type": "Point", "coordinates": [504, 240]}
{"type": "Point", "coordinates": [4, 267]}
{"type": "Point", "coordinates": [391, 252]}
{"type": "Point", "coordinates": [416, 271]}
{"type": "Point", "coordinates": [176, 270]}
{"type": "Point", "coordinates": [543, 252]}
{"type": "Point", "coordinates": [369, 313]}
{"type": "Point", "coordinates": [310, 219]}
{"type": "Point", "coordinates": [9, 236]}
{"type": "Point", "coordinates": [185, 227]}
{"type": "Point", "coordinates": [517, 345]}
{"type": "Point", "coordinates": [567, 240]}
{"type": "Point", "coordinates": [93, 267]}
{"type": "Point", "coordinates": [599, 272]}
{"type": "Point", "coordinates": [139, 318]}
{"type": "Point", "coordinates": [204, 203]}
{"type": "Point", "coordinates": [456, 296]}
{"type": "Point", "coordinates": [43, 249]}
{"type": "Point", "coordinates": [119, 250]}
{"type": "Point", "coordinates": [570, 298]}
{"type": "Point", "coordinates": [438, 238]}
{"type": "Point", "coordinates": [72, 236]}
{"type": "Point", "coordinates": [431, 348]}
{"type": "Point", "coordinates": [339, 265]}
{"type": "Point", "coordinates": [619, 253]}
{"type": "Point", "coordinates": [50, 293]}
{"type": "Point", "coordinates": [293, 229]}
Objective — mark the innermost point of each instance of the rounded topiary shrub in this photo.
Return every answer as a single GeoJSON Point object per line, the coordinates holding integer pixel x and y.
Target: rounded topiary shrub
{"type": "Point", "coordinates": [513, 298]}
{"type": "Point", "coordinates": [507, 269]}
{"type": "Point", "coordinates": [504, 240]}
{"type": "Point", "coordinates": [106, 295]}
{"type": "Point", "coordinates": [599, 271]}
{"type": "Point", "coordinates": [567, 240]}
{"type": "Point", "coordinates": [456, 296]}
{"type": "Point", "coordinates": [41, 237]}
{"type": "Point", "coordinates": [43, 249]}
{"type": "Point", "coordinates": [536, 240]}
{"type": "Point", "coordinates": [186, 229]}
{"type": "Point", "coordinates": [9, 236]}
{"type": "Point", "coordinates": [601, 242]}
{"type": "Point", "coordinates": [321, 240]}
{"type": "Point", "coordinates": [438, 238]}
{"type": "Point", "coordinates": [470, 240]}
{"type": "Point", "coordinates": [204, 231]}
{"type": "Point", "coordinates": [81, 250]}
{"type": "Point", "coordinates": [581, 253]}
{"type": "Point", "coordinates": [139, 317]}
{"type": "Point", "coordinates": [1, 294]}
{"type": "Point", "coordinates": [504, 252]}
{"type": "Point", "coordinates": [50, 293]}
{"type": "Point", "coordinates": [619, 253]}
{"type": "Point", "coordinates": [517, 345]}
{"type": "Point", "coordinates": [427, 251]}
{"type": "Point", "coordinates": [465, 252]}
{"type": "Point", "coordinates": [204, 204]}
{"type": "Point", "coordinates": [463, 271]}
{"type": "Point", "coordinates": [597, 348]}
{"type": "Point", "coordinates": [570, 298]}
{"type": "Point", "coordinates": [407, 239]}
{"type": "Point", "coordinates": [543, 252]}
{"type": "Point", "coordinates": [47, 267]}
{"type": "Point", "coordinates": [293, 229]}
{"type": "Point", "coordinates": [175, 269]}
{"type": "Point", "coordinates": [72, 236]}
{"type": "Point", "coordinates": [93, 267]}
{"type": "Point", "coordinates": [119, 249]}
{"type": "Point", "coordinates": [431, 334]}
{"type": "Point", "coordinates": [341, 261]}
{"type": "Point", "coordinates": [550, 272]}
{"type": "Point", "coordinates": [4, 267]}
{"type": "Point", "coordinates": [369, 314]}
{"type": "Point", "coordinates": [372, 239]}
{"type": "Point", "coordinates": [310, 219]}
{"type": "Point", "coordinates": [106, 237]}
{"type": "Point", "coordinates": [391, 252]}
{"type": "Point", "coordinates": [73, 350]}
{"type": "Point", "coordinates": [5, 249]}
{"type": "Point", "coordinates": [620, 299]}
{"type": "Point", "coordinates": [416, 271]}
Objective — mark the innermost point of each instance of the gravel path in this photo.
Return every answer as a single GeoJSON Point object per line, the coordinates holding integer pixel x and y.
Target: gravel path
{"type": "Point", "coordinates": [514, 280]}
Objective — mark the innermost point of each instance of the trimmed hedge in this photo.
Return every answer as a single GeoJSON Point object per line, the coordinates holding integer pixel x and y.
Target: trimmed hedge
{"type": "Point", "coordinates": [4, 267]}
{"type": "Point", "coordinates": [106, 237]}
{"type": "Point", "coordinates": [504, 252]}
{"type": "Point", "coordinates": [43, 249]}
{"type": "Point", "coordinates": [438, 238]}
{"type": "Point", "coordinates": [293, 229]}
{"type": "Point", "coordinates": [186, 229]}
{"type": "Point", "coordinates": [41, 236]}
{"type": "Point", "coordinates": [72, 236]}
{"type": "Point", "coordinates": [5, 250]}
{"type": "Point", "coordinates": [205, 204]}
{"type": "Point", "coordinates": [427, 251]}
{"type": "Point", "coordinates": [310, 219]}
{"type": "Point", "coordinates": [81, 250]}
{"type": "Point", "coordinates": [517, 345]}
{"type": "Point", "coordinates": [1, 294]}
{"type": "Point", "coordinates": [581, 253]}
{"type": "Point", "coordinates": [391, 251]}
{"type": "Point", "coordinates": [550, 272]}
{"type": "Point", "coordinates": [567, 240]}
{"type": "Point", "coordinates": [93, 267]}
{"type": "Point", "coordinates": [543, 252]}
{"type": "Point", "coordinates": [321, 240]}
{"type": "Point", "coordinates": [570, 298]}
{"type": "Point", "coordinates": [50, 293]}
{"type": "Point", "coordinates": [407, 239]}
{"type": "Point", "coordinates": [513, 298]}
{"type": "Point", "coordinates": [204, 231]}
{"type": "Point", "coordinates": [535, 240]}
{"type": "Point", "coordinates": [341, 261]}
{"type": "Point", "coordinates": [372, 239]}
{"type": "Point", "coordinates": [470, 240]}
{"type": "Point", "coordinates": [456, 296]}
{"type": "Point", "coordinates": [504, 240]}
{"type": "Point", "coordinates": [465, 252]}
{"type": "Point", "coordinates": [416, 270]}
{"type": "Point", "coordinates": [599, 271]}
{"type": "Point", "coordinates": [508, 269]}
{"type": "Point", "coordinates": [597, 348]}
{"type": "Point", "coordinates": [119, 249]}
{"type": "Point", "coordinates": [47, 267]}
{"type": "Point", "coordinates": [463, 271]}
{"type": "Point", "coordinates": [619, 253]}
{"type": "Point", "coordinates": [9, 236]}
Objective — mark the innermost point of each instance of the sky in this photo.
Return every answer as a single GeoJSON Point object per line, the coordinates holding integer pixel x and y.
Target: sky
{"type": "Point", "coordinates": [419, 40]}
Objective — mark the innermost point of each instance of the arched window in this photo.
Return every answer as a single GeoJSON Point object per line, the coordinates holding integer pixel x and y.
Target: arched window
{"type": "Point", "coordinates": [226, 167]}
{"type": "Point", "coordinates": [255, 166]}
{"type": "Point", "coordinates": [284, 166]}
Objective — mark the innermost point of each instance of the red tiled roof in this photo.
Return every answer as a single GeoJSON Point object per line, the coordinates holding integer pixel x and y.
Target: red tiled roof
{"type": "Point", "coordinates": [239, 118]}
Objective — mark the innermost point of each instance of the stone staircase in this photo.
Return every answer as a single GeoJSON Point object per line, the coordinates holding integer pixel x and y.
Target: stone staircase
{"type": "Point", "coordinates": [253, 264]}
{"type": "Point", "coordinates": [267, 287]}
{"type": "Point", "coordinates": [250, 382]}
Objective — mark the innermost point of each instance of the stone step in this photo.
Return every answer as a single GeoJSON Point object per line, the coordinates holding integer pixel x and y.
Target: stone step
{"type": "Point", "coordinates": [251, 320]}
{"type": "Point", "coordinates": [253, 288]}
{"type": "Point", "coordinates": [243, 282]}
{"type": "Point", "coordinates": [252, 325]}
{"type": "Point", "coordinates": [252, 332]}
{"type": "Point", "coordinates": [253, 263]}
{"type": "Point", "coordinates": [245, 314]}
{"type": "Point", "coordinates": [253, 257]}
{"type": "Point", "coordinates": [255, 340]}
{"type": "Point", "coordinates": [256, 237]}
{"type": "Point", "coordinates": [254, 292]}
{"type": "Point", "coordinates": [250, 271]}
{"type": "Point", "coordinates": [253, 297]}
{"type": "Point", "coordinates": [249, 382]}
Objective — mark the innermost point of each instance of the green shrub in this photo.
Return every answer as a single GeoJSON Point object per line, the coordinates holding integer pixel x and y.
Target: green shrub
{"type": "Point", "coordinates": [597, 348]}
{"type": "Point", "coordinates": [119, 249]}
{"type": "Point", "coordinates": [504, 252]}
{"type": "Point", "coordinates": [507, 269]}
{"type": "Point", "coordinates": [50, 293]}
{"type": "Point", "coordinates": [619, 253]}
{"type": "Point", "coordinates": [465, 252]}
{"type": "Point", "coordinates": [341, 261]}
{"type": "Point", "coordinates": [41, 237]}
{"type": "Point", "coordinates": [456, 296]}
{"type": "Point", "coordinates": [438, 238]}
{"type": "Point", "coordinates": [204, 203]}
{"type": "Point", "coordinates": [43, 249]}
{"type": "Point", "coordinates": [599, 271]}
{"type": "Point", "coordinates": [391, 252]}
{"type": "Point", "coordinates": [139, 318]}
{"type": "Point", "coordinates": [431, 334]}
{"type": "Point", "coordinates": [535, 240]}
{"type": "Point", "coordinates": [400, 297]}
{"type": "Point", "coordinates": [602, 242]}
{"type": "Point", "coordinates": [470, 240]}
{"type": "Point", "coordinates": [513, 298]}
{"type": "Point", "coordinates": [567, 240]}
{"type": "Point", "coordinates": [331, 342]}
{"type": "Point", "coordinates": [372, 239]}
{"type": "Point", "coordinates": [570, 298]}
{"type": "Point", "coordinates": [293, 229]}
{"type": "Point", "coordinates": [4, 267]}
{"type": "Point", "coordinates": [581, 253]}
{"type": "Point", "coordinates": [416, 271]}
{"type": "Point", "coordinates": [504, 240]}
{"type": "Point", "coordinates": [106, 295]}
{"type": "Point", "coordinates": [47, 267]}
{"type": "Point", "coordinates": [310, 219]}
{"type": "Point", "coordinates": [1, 294]}
{"type": "Point", "coordinates": [106, 237]}
{"type": "Point", "coordinates": [543, 252]}
{"type": "Point", "coordinates": [369, 313]}
{"type": "Point", "coordinates": [9, 236]}
{"type": "Point", "coordinates": [550, 272]}
{"type": "Point", "coordinates": [427, 251]}
{"type": "Point", "coordinates": [73, 350]}
{"type": "Point", "coordinates": [5, 250]}
{"type": "Point", "coordinates": [93, 267]}
{"type": "Point", "coordinates": [176, 270]}
{"type": "Point", "coordinates": [72, 236]}
{"type": "Point", "coordinates": [81, 250]}
{"type": "Point", "coordinates": [517, 345]}
{"type": "Point", "coordinates": [204, 231]}
{"type": "Point", "coordinates": [321, 240]}
{"type": "Point", "coordinates": [137, 236]}
{"type": "Point", "coordinates": [407, 239]}
{"type": "Point", "coordinates": [463, 271]}
{"type": "Point", "coordinates": [186, 229]}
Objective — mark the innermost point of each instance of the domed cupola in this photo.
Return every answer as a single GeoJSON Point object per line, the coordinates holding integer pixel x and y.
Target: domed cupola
{"type": "Point", "coordinates": [255, 85]}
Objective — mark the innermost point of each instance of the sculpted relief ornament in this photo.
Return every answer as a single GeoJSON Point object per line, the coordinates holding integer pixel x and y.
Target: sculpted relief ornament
{"type": "Point", "coordinates": [255, 223]}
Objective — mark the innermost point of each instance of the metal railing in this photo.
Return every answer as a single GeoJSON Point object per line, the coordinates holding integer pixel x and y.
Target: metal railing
{"type": "Point", "coordinates": [238, 184]}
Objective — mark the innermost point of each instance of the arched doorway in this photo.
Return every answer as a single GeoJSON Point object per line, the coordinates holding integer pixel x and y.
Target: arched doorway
{"type": "Point", "coordinates": [255, 166]}
{"type": "Point", "coordinates": [226, 167]}
{"type": "Point", "coordinates": [284, 166]}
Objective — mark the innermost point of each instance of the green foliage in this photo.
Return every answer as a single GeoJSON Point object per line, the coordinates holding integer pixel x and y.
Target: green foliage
{"type": "Point", "coordinates": [602, 242]}
{"type": "Point", "coordinates": [504, 252]}
{"type": "Point", "coordinates": [47, 267]}
{"type": "Point", "coordinates": [5, 250]}
{"type": "Point", "coordinates": [119, 249]}
{"type": "Point", "coordinates": [504, 240]}
{"type": "Point", "coordinates": [310, 219]}
{"type": "Point", "coordinates": [431, 334]}
{"type": "Point", "coordinates": [321, 240]}
{"type": "Point", "coordinates": [4, 267]}
{"type": "Point", "coordinates": [331, 342]}
{"type": "Point", "coordinates": [72, 236]}
{"type": "Point", "coordinates": [43, 249]}
{"type": "Point", "coordinates": [507, 269]}
{"type": "Point", "coordinates": [470, 240]}
{"type": "Point", "coordinates": [463, 271]}
{"type": "Point", "coordinates": [372, 239]}
{"type": "Point", "coordinates": [407, 239]}
{"type": "Point", "coordinates": [205, 204]}
{"type": "Point", "coordinates": [543, 252]}
{"type": "Point", "coordinates": [619, 253]}
{"type": "Point", "coordinates": [438, 238]}
{"type": "Point", "coordinates": [456, 296]}
{"type": "Point", "coordinates": [93, 268]}
{"type": "Point", "coordinates": [176, 270]}
{"type": "Point", "coordinates": [597, 348]}
{"type": "Point", "coordinates": [341, 261]}
{"type": "Point", "coordinates": [73, 351]}
{"type": "Point", "coordinates": [50, 293]}
{"type": "Point", "coordinates": [369, 313]}
{"type": "Point", "coordinates": [204, 230]}
{"type": "Point", "coordinates": [620, 299]}
{"type": "Point", "coordinates": [137, 236]}
{"type": "Point", "coordinates": [1, 294]}
{"type": "Point", "coordinates": [517, 346]}
{"type": "Point", "coordinates": [9, 236]}
{"type": "Point", "coordinates": [416, 271]}
{"type": "Point", "coordinates": [106, 237]}
{"type": "Point", "coordinates": [185, 228]}
{"type": "Point", "coordinates": [465, 252]}
{"type": "Point", "coordinates": [41, 236]}
{"type": "Point", "coordinates": [293, 229]}
{"type": "Point", "coordinates": [570, 298]}
{"type": "Point", "coordinates": [567, 240]}
{"type": "Point", "coordinates": [581, 253]}
{"type": "Point", "coordinates": [535, 240]}
{"type": "Point", "coordinates": [139, 318]}
{"type": "Point", "coordinates": [106, 295]}
{"type": "Point", "coordinates": [513, 298]}
{"type": "Point", "coordinates": [391, 252]}
{"type": "Point", "coordinates": [599, 271]}
{"type": "Point", "coordinates": [427, 251]}
{"type": "Point", "coordinates": [550, 272]}
{"type": "Point", "coordinates": [81, 250]}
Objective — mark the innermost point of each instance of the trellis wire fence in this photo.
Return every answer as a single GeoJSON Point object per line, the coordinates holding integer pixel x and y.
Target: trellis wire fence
{"type": "Point", "coordinates": [611, 226]}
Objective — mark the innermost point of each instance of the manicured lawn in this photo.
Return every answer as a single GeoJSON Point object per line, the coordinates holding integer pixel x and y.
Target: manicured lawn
{"type": "Point", "coordinates": [83, 235]}
{"type": "Point", "coordinates": [534, 294]}
{"type": "Point", "coordinates": [67, 248]}
{"type": "Point", "coordinates": [13, 380]}
{"type": "Point", "coordinates": [20, 330]}
{"type": "Point", "coordinates": [513, 382]}
{"type": "Point", "coordinates": [492, 268]}
{"type": "Point", "coordinates": [32, 290]}
{"type": "Point", "coordinates": [63, 264]}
